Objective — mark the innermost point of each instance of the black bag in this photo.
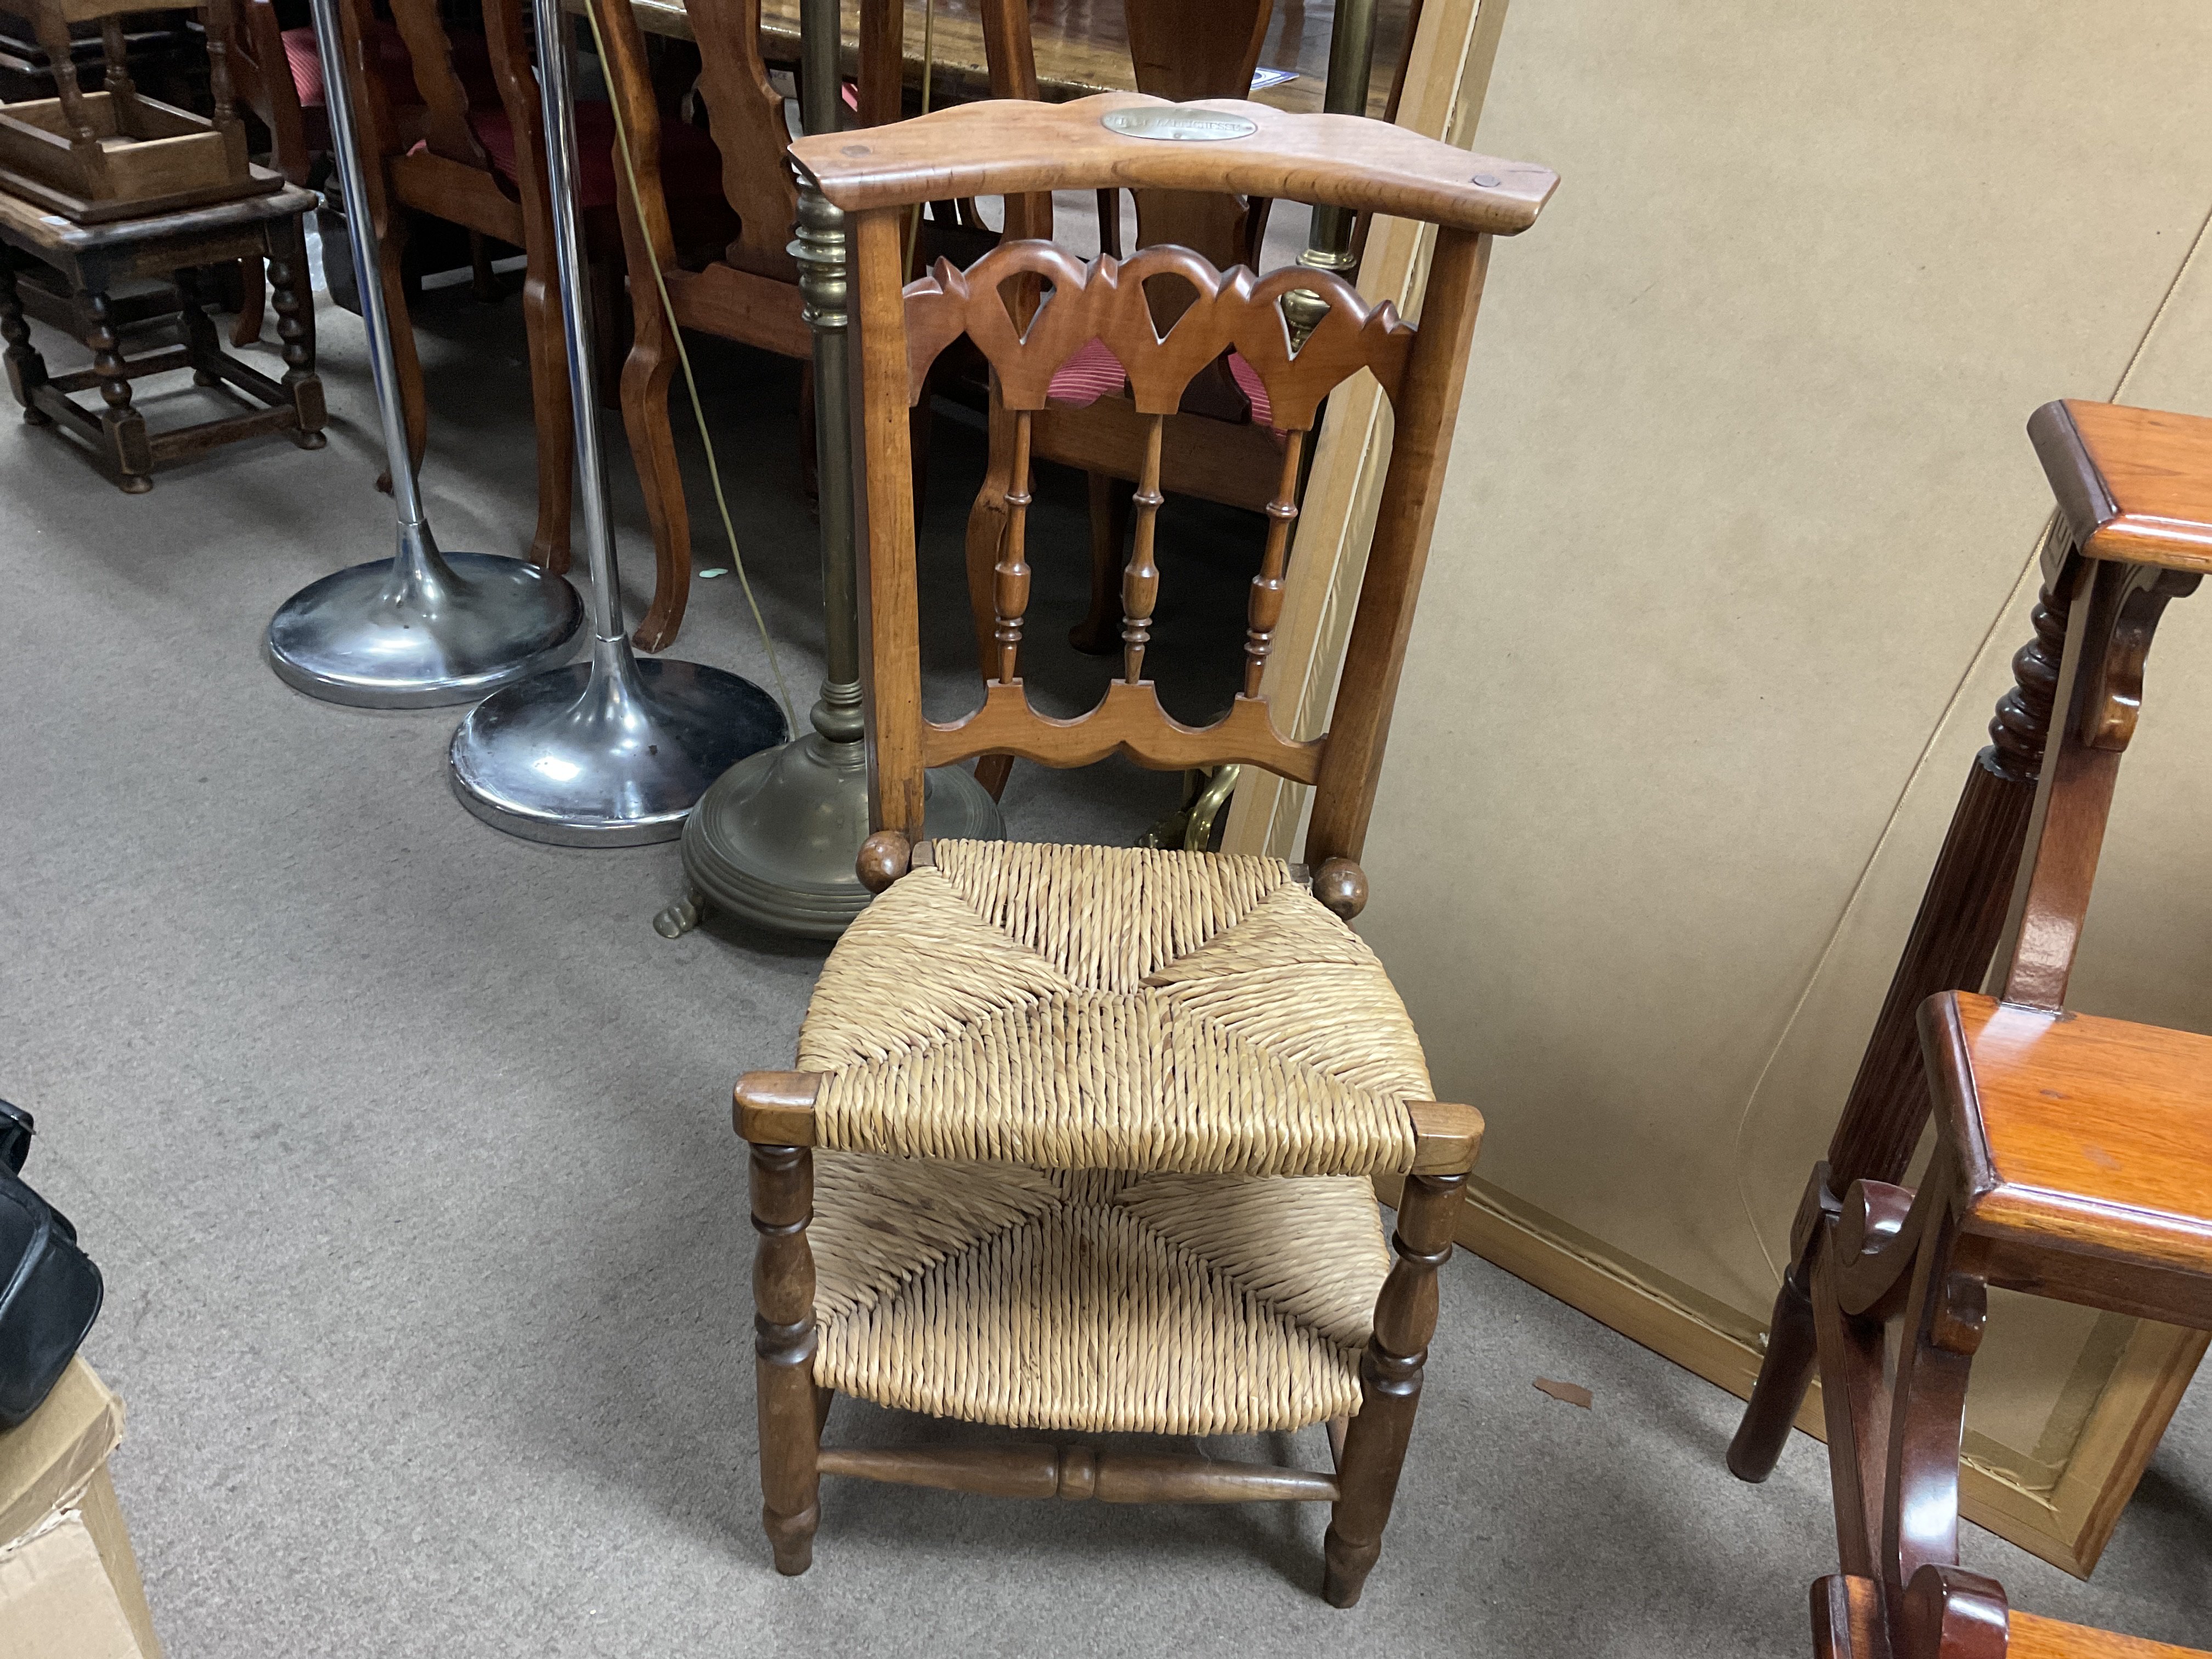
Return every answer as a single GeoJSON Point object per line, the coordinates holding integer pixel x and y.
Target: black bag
{"type": "Point", "coordinates": [50, 1291]}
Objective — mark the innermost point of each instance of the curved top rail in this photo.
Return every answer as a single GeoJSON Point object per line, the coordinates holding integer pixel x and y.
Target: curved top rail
{"type": "Point", "coordinates": [1004, 147]}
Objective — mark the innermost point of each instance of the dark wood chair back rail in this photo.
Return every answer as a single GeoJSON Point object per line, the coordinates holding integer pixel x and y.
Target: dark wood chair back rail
{"type": "Point", "coordinates": [904, 329]}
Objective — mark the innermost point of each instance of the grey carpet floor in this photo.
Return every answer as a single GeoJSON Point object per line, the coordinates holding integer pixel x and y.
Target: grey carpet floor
{"type": "Point", "coordinates": [405, 1146]}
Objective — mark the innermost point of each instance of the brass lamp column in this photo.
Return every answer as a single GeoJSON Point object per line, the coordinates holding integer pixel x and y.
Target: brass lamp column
{"type": "Point", "coordinates": [773, 840]}
{"type": "Point", "coordinates": [1350, 68]}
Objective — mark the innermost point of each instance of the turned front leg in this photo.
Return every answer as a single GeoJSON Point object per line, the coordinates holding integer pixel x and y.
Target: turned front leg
{"type": "Point", "coordinates": [783, 1344]}
{"type": "Point", "coordinates": [129, 452]}
{"type": "Point", "coordinates": [1390, 1383]}
{"type": "Point", "coordinates": [287, 249]}
{"type": "Point", "coordinates": [26, 369]}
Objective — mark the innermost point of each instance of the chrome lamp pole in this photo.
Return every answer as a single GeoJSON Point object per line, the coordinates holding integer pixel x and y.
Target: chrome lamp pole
{"type": "Point", "coordinates": [613, 752]}
{"type": "Point", "coordinates": [421, 628]}
{"type": "Point", "coordinates": [774, 840]}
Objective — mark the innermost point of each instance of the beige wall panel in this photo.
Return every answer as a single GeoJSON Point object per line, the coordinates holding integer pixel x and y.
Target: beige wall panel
{"type": "Point", "coordinates": [1740, 491]}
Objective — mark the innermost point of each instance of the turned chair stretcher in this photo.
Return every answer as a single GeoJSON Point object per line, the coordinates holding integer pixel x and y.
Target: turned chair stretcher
{"type": "Point", "coordinates": [2072, 1154]}
{"type": "Point", "coordinates": [1080, 1138]}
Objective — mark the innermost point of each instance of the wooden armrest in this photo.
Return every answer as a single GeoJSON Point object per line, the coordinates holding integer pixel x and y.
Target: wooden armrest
{"type": "Point", "coordinates": [776, 1109]}
{"type": "Point", "coordinates": [1447, 1139]}
{"type": "Point", "coordinates": [2133, 485]}
{"type": "Point", "coordinates": [1008, 148]}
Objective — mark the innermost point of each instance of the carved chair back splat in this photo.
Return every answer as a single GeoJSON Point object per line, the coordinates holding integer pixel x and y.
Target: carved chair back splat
{"type": "Point", "coordinates": [904, 329]}
{"type": "Point", "coordinates": [1217, 448]}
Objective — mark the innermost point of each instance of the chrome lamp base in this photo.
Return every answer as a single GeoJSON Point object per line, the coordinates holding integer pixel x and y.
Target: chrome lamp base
{"type": "Point", "coordinates": [609, 753]}
{"type": "Point", "coordinates": [423, 630]}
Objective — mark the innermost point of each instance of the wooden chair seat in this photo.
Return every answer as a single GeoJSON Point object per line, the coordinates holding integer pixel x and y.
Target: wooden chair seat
{"type": "Point", "coordinates": [1125, 1008]}
{"type": "Point", "coordinates": [2080, 1134]}
{"type": "Point", "coordinates": [1094, 1300]}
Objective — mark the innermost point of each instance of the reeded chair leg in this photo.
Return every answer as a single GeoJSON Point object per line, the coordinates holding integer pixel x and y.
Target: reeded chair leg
{"type": "Point", "coordinates": [783, 1343]}
{"type": "Point", "coordinates": [1390, 1384]}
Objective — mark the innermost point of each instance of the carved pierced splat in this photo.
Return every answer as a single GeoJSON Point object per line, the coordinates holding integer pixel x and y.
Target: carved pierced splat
{"type": "Point", "coordinates": [749, 125]}
{"type": "Point", "coordinates": [446, 127]}
{"type": "Point", "coordinates": [1104, 300]}
{"type": "Point", "coordinates": [1031, 305]}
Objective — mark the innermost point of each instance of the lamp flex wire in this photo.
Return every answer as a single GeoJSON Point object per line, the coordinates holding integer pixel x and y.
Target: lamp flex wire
{"type": "Point", "coordinates": [690, 381]}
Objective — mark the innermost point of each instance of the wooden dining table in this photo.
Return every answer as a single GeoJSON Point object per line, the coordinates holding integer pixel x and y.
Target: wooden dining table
{"type": "Point", "coordinates": [1082, 47]}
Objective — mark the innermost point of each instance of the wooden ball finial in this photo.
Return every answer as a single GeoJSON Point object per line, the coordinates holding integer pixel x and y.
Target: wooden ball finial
{"type": "Point", "coordinates": [1341, 886]}
{"type": "Point", "coordinates": [883, 859]}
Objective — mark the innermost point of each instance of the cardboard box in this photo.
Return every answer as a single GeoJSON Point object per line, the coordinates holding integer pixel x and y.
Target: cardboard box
{"type": "Point", "coordinates": [69, 1583]}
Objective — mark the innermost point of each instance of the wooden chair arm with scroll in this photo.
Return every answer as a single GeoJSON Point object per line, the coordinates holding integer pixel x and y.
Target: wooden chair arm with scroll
{"type": "Point", "coordinates": [2074, 1154]}
{"type": "Point", "coordinates": [1952, 1613]}
{"type": "Point", "coordinates": [1080, 1136]}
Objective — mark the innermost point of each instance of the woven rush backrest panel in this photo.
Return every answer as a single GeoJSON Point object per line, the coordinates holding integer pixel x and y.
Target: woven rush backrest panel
{"type": "Point", "coordinates": [1030, 307]}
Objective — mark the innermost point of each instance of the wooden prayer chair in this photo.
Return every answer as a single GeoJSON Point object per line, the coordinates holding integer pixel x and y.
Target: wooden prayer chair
{"type": "Point", "coordinates": [2073, 1155]}
{"type": "Point", "coordinates": [1080, 1138]}
{"type": "Point", "coordinates": [485, 169]}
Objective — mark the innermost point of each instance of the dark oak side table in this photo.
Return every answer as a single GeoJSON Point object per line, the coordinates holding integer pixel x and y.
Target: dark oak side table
{"type": "Point", "coordinates": [92, 259]}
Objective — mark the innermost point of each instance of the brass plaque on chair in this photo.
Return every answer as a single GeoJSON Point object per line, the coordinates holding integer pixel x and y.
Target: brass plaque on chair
{"type": "Point", "coordinates": [1182, 123]}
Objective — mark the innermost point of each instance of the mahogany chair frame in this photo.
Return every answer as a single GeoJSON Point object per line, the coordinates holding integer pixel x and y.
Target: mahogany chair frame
{"type": "Point", "coordinates": [1889, 1286]}
{"type": "Point", "coordinates": [1013, 149]}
